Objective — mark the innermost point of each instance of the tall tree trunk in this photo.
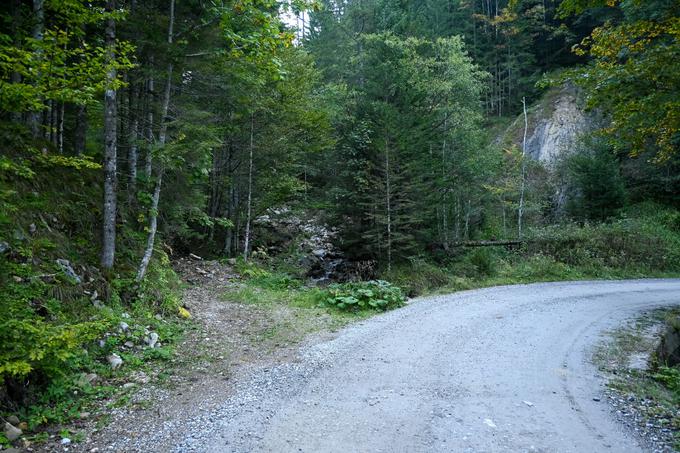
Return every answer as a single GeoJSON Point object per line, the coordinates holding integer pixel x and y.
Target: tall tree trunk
{"type": "Point", "coordinates": [388, 204]}
{"type": "Point", "coordinates": [133, 149]}
{"type": "Point", "coordinates": [38, 30]}
{"type": "Point", "coordinates": [162, 134]}
{"type": "Point", "coordinates": [149, 123]}
{"type": "Point", "coordinates": [520, 210]}
{"type": "Point", "coordinates": [467, 220]}
{"type": "Point", "coordinates": [229, 236]}
{"type": "Point", "coordinates": [153, 227]}
{"type": "Point", "coordinates": [80, 132]}
{"type": "Point", "coordinates": [60, 128]}
{"type": "Point", "coordinates": [17, 24]}
{"type": "Point", "coordinates": [249, 203]}
{"type": "Point", "coordinates": [110, 144]}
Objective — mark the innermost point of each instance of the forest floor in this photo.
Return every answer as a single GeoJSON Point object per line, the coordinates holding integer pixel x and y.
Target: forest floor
{"type": "Point", "coordinates": [227, 340]}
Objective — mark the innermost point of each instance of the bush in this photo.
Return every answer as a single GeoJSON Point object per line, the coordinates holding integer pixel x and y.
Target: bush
{"type": "Point", "coordinates": [418, 276]}
{"type": "Point", "coordinates": [371, 295]}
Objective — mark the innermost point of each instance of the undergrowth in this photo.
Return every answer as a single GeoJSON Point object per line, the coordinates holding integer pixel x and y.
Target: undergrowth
{"type": "Point", "coordinates": [62, 317]}
{"type": "Point", "coordinates": [644, 242]}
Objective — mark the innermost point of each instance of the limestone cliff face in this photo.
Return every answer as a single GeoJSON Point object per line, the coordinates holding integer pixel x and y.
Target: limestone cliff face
{"type": "Point", "coordinates": [555, 135]}
{"type": "Point", "coordinates": [555, 125]}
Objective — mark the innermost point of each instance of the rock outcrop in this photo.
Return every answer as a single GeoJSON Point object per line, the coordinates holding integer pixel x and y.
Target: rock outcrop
{"type": "Point", "coordinates": [555, 125]}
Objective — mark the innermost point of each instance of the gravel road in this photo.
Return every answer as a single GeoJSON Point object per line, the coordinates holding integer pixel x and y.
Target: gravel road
{"type": "Point", "coordinates": [498, 369]}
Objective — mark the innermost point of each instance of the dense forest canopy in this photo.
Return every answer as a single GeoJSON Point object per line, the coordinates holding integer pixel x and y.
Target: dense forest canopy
{"type": "Point", "coordinates": [133, 131]}
{"type": "Point", "coordinates": [213, 113]}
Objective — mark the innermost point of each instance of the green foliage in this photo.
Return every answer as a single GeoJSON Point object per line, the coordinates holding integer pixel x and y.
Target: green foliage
{"type": "Point", "coordinates": [669, 377]}
{"type": "Point", "coordinates": [645, 243]}
{"type": "Point", "coordinates": [370, 295]}
{"type": "Point", "coordinates": [418, 276]}
{"type": "Point", "coordinates": [58, 66]}
{"type": "Point", "coordinates": [596, 184]}
{"type": "Point", "coordinates": [634, 74]}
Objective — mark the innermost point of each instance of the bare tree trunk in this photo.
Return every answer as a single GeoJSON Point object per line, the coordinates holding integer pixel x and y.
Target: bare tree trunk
{"type": "Point", "coordinates": [60, 129]}
{"type": "Point", "coordinates": [162, 134]}
{"type": "Point", "coordinates": [17, 24]}
{"type": "Point", "coordinates": [38, 30]}
{"type": "Point", "coordinates": [53, 123]}
{"type": "Point", "coordinates": [249, 203]}
{"type": "Point", "coordinates": [388, 200]}
{"type": "Point", "coordinates": [520, 211]}
{"type": "Point", "coordinates": [149, 124]}
{"type": "Point", "coordinates": [133, 153]}
{"type": "Point", "coordinates": [229, 237]}
{"type": "Point", "coordinates": [467, 221]}
{"type": "Point", "coordinates": [81, 130]}
{"type": "Point", "coordinates": [153, 227]}
{"type": "Point", "coordinates": [457, 230]}
{"type": "Point", "coordinates": [110, 144]}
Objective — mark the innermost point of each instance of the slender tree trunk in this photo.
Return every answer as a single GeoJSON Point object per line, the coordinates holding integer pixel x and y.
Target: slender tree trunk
{"type": "Point", "coordinates": [134, 100]}
{"type": "Point", "coordinates": [458, 217]}
{"type": "Point", "coordinates": [60, 129]}
{"type": "Point", "coordinates": [110, 144]}
{"type": "Point", "coordinates": [17, 24]}
{"type": "Point", "coordinates": [162, 134]}
{"type": "Point", "coordinates": [388, 203]}
{"type": "Point", "coordinates": [133, 153]}
{"type": "Point", "coordinates": [38, 30]}
{"type": "Point", "coordinates": [153, 227]}
{"type": "Point", "coordinates": [229, 236]}
{"type": "Point", "coordinates": [467, 220]}
{"type": "Point", "coordinates": [149, 124]}
{"type": "Point", "coordinates": [520, 211]}
{"type": "Point", "coordinates": [249, 203]}
{"type": "Point", "coordinates": [53, 122]}
{"type": "Point", "coordinates": [80, 132]}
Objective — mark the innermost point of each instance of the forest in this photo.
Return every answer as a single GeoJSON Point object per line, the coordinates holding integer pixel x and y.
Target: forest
{"type": "Point", "coordinates": [373, 145]}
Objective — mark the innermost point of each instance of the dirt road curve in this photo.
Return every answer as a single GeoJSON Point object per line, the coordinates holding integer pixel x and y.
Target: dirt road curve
{"type": "Point", "coordinates": [499, 369]}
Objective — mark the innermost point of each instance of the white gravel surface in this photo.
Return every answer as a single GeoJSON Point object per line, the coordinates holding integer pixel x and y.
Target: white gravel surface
{"type": "Point", "coordinates": [504, 369]}
{"type": "Point", "coordinates": [497, 369]}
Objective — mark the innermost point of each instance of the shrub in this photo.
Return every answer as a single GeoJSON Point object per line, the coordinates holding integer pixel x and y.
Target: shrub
{"type": "Point", "coordinates": [374, 294]}
{"type": "Point", "coordinates": [418, 276]}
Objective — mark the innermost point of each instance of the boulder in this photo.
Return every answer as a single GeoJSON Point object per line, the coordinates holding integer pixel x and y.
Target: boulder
{"type": "Point", "coordinates": [85, 379]}
{"type": "Point", "coordinates": [115, 361]}
{"type": "Point", "coordinates": [151, 340]}
{"type": "Point", "coordinates": [66, 267]}
{"type": "Point", "coordinates": [12, 432]}
{"type": "Point", "coordinates": [668, 351]}
{"type": "Point", "coordinates": [14, 420]}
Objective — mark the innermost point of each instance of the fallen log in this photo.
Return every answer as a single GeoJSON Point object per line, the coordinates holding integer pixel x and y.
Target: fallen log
{"type": "Point", "coordinates": [488, 243]}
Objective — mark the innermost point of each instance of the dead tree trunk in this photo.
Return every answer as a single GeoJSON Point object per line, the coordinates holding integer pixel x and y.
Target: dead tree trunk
{"type": "Point", "coordinates": [38, 31]}
{"type": "Point", "coordinates": [249, 203]}
{"type": "Point", "coordinates": [110, 144]}
{"type": "Point", "coordinates": [162, 134]}
{"type": "Point", "coordinates": [133, 153]}
{"type": "Point", "coordinates": [388, 204]}
{"type": "Point", "coordinates": [153, 227]}
{"type": "Point", "coordinates": [520, 210]}
{"type": "Point", "coordinates": [149, 123]}
{"type": "Point", "coordinates": [80, 132]}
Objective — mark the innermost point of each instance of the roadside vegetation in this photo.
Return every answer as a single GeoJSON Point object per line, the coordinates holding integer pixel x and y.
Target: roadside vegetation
{"type": "Point", "coordinates": [643, 388]}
